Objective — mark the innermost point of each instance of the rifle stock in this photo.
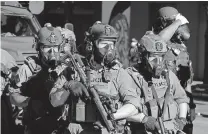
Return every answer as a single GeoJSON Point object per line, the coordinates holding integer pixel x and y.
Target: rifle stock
{"type": "Point", "coordinates": [78, 66]}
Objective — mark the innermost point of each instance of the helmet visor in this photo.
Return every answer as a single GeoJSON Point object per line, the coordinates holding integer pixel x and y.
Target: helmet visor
{"type": "Point", "coordinates": [47, 49]}
{"type": "Point", "coordinates": [105, 44]}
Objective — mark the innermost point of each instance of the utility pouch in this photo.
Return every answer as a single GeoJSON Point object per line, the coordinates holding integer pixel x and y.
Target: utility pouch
{"type": "Point", "coordinates": [152, 107]}
{"type": "Point", "coordinates": [82, 111]}
{"type": "Point", "coordinates": [172, 110]}
{"type": "Point", "coordinates": [170, 113]}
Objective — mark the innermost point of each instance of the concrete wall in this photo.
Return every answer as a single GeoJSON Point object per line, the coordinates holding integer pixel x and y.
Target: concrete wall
{"type": "Point", "coordinates": [139, 19]}
{"type": "Point", "coordinates": [193, 17]}
{"type": "Point", "coordinates": [201, 41]}
{"type": "Point", "coordinates": [107, 7]}
{"type": "Point", "coordinates": [117, 14]}
{"type": "Point", "coordinates": [194, 12]}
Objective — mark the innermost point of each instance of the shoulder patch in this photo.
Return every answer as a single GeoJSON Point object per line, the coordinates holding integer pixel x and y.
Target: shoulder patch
{"type": "Point", "coordinates": [153, 43]}
{"type": "Point", "coordinates": [158, 46]}
{"type": "Point", "coordinates": [33, 63]}
{"type": "Point", "coordinates": [59, 69]}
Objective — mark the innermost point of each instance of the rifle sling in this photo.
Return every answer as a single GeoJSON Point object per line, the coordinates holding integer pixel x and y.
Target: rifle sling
{"type": "Point", "coordinates": [157, 99]}
{"type": "Point", "coordinates": [167, 95]}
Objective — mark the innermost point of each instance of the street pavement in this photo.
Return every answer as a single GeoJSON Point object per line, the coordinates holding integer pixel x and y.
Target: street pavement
{"type": "Point", "coordinates": [201, 121]}
{"type": "Point", "coordinates": [200, 93]}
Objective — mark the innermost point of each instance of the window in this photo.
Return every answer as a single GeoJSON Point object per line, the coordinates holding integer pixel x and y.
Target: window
{"type": "Point", "coordinates": [16, 26]}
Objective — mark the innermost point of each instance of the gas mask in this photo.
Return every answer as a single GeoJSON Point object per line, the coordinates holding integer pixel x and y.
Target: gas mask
{"type": "Point", "coordinates": [156, 64]}
{"type": "Point", "coordinates": [105, 52]}
{"type": "Point", "coordinates": [49, 55]}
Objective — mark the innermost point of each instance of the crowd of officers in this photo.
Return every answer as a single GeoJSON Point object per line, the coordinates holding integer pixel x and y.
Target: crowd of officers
{"type": "Point", "coordinates": [151, 96]}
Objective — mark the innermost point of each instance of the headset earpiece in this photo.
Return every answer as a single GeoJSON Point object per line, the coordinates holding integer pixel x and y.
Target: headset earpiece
{"type": "Point", "coordinates": [35, 43]}
{"type": "Point", "coordinates": [88, 43]}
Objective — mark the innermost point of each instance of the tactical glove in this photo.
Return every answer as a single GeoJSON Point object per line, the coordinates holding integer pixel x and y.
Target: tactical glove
{"type": "Point", "coordinates": [4, 69]}
{"type": "Point", "coordinates": [181, 122]}
{"type": "Point", "coordinates": [151, 124]}
{"type": "Point", "coordinates": [192, 114]}
{"type": "Point", "coordinates": [182, 19]}
{"type": "Point", "coordinates": [111, 117]}
{"type": "Point", "coordinates": [192, 106]}
{"type": "Point", "coordinates": [76, 88]}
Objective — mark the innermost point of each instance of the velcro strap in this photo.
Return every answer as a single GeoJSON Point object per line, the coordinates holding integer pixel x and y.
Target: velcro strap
{"type": "Point", "coordinates": [34, 67]}
{"type": "Point", "coordinates": [108, 96]}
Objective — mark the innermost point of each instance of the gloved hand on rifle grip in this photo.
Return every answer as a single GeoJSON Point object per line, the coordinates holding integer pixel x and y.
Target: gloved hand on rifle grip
{"type": "Point", "coordinates": [111, 117]}
{"type": "Point", "coordinates": [181, 122]}
{"type": "Point", "coordinates": [151, 124]}
{"type": "Point", "coordinates": [76, 88]}
{"type": "Point", "coordinates": [192, 112]}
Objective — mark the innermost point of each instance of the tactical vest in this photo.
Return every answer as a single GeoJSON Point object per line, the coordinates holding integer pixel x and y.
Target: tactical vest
{"type": "Point", "coordinates": [177, 60]}
{"type": "Point", "coordinates": [39, 105]}
{"type": "Point", "coordinates": [104, 80]}
{"type": "Point", "coordinates": [150, 106]}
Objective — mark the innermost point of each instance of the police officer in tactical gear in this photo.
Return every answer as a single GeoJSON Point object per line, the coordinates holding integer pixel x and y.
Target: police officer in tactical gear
{"type": "Point", "coordinates": [172, 28]}
{"type": "Point", "coordinates": [37, 78]}
{"type": "Point", "coordinates": [109, 78]}
{"type": "Point", "coordinates": [161, 94]}
{"type": "Point", "coordinates": [177, 57]}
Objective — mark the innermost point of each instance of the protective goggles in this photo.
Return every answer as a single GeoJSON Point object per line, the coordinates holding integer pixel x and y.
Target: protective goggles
{"type": "Point", "coordinates": [105, 44]}
{"type": "Point", "coordinates": [48, 49]}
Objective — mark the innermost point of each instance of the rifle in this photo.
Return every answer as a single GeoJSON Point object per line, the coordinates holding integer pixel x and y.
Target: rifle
{"type": "Point", "coordinates": [78, 65]}
{"type": "Point", "coordinates": [104, 107]}
{"type": "Point", "coordinates": [107, 101]}
{"type": "Point", "coordinates": [110, 125]}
